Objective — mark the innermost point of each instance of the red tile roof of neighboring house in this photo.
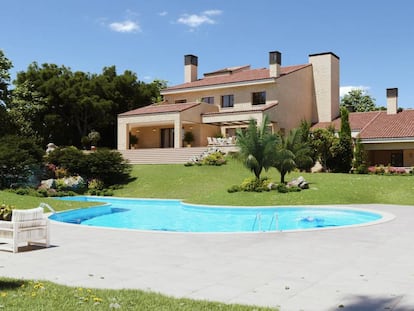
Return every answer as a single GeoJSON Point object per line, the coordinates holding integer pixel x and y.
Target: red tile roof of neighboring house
{"type": "Point", "coordinates": [234, 77]}
{"type": "Point", "coordinates": [378, 124]}
{"type": "Point", "coordinates": [357, 121]}
{"type": "Point", "coordinates": [159, 108]}
{"type": "Point", "coordinates": [400, 125]}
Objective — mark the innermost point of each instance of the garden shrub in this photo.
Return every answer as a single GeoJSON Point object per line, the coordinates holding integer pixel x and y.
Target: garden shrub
{"type": "Point", "coordinates": [253, 184]}
{"type": "Point", "coordinates": [20, 158]}
{"type": "Point", "coordinates": [234, 188]}
{"type": "Point", "coordinates": [6, 212]}
{"type": "Point", "coordinates": [282, 188]}
{"type": "Point", "coordinates": [70, 159]}
{"type": "Point", "coordinates": [213, 156]}
{"type": "Point", "coordinates": [108, 166]}
{"type": "Point", "coordinates": [216, 158]}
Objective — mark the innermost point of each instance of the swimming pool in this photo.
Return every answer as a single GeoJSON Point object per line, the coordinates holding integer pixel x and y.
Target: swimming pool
{"type": "Point", "coordinates": [173, 215]}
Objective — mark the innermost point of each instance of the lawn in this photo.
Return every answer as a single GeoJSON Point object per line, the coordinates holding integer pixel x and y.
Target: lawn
{"type": "Point", "coordinates": [209, 184]}
{"type": "Point", "coordinates": [37, 296]}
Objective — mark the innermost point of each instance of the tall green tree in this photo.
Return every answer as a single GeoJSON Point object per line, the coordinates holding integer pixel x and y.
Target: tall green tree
{"type": "Point", "coordinates": [359, 162]}
{"type": "Point", "coordinates": [257, 146]}
{"type": "Point", "coordinates": [291, 153]}
{"type": "Point", "coordinates": [358, 100]}
{"type": "Point", "coordinates": [342, 150]}
{"type": "Point", "coordinates": [77, 102]}
{"type": "Point", "coordinates": [5, 66]}
{"type": "Point", "coordinates": [25, 106]}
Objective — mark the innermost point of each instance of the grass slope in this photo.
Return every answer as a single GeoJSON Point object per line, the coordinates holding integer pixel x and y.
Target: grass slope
{"type": "Point", "coordinates": [208, 185]}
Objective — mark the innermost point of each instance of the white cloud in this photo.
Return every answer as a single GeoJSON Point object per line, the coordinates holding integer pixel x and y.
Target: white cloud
{"type": "Point", "coordinates": [125, 26]}
{"type": "Point", "coordinates": [196, 20]}
{"type": "Point", "coordinates": [343, 90]}
{"type": "Point", "coordinates": [163, 13]}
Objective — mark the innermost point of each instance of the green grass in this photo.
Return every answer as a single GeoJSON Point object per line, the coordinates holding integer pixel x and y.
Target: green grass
{"type": "Point", "coordinates": [209, 184]}
{"type": "Point", "coordinates": [36, 296]}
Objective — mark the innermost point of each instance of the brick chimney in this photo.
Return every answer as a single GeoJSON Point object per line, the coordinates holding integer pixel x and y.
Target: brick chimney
{"type": "Point", "coordinates": [190, 68]}
{"type": "Point", "coordinates": [392, 101]}
{"type": "Point", "coordinates": [275, 60]}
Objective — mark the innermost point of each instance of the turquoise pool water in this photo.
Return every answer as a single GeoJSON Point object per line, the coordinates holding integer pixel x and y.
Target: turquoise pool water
{"type": "Point", "coordinates": [173, 215]}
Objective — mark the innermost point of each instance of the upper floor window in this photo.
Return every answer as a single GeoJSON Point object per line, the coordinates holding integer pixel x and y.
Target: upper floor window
{"type": "Point", "coordinates": [259, 98]}
{"type": "Point", "coordinates": [227, 101]}
{"type": "Point", "coordinates": [180, 101]}
{"type": "Point", "coordinates": [208, 100]}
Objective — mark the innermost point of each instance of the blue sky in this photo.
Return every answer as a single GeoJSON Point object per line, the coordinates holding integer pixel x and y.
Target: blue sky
{"type": "Point", "coordinates": [374, 39]}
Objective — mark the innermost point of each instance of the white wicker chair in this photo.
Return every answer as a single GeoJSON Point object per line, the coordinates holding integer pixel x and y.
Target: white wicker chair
{"type": "Point", "coordinates": [29, 226]}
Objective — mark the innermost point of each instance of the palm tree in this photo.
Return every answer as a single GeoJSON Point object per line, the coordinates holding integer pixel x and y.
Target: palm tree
{"type": "Point", "coordinates": [257, 145]}
{"type": "Point", "coordinates": [292, 152]}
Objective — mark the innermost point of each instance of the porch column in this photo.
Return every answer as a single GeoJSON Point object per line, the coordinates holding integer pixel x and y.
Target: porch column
{"type": "Point", "coordinates": [123, 137]}
{"type": "Point", "coordinates": [177, 133]}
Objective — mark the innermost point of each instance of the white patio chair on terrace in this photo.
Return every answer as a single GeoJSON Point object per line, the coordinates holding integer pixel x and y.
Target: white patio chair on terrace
{"type": "Point", "coordinates": [29, 226]}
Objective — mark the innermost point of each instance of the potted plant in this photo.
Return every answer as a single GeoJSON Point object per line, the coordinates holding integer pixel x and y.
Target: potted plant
{"type": "Point", "coordinates": [133, 141]}
{"type": "Point", "coordinates": [188, 138]}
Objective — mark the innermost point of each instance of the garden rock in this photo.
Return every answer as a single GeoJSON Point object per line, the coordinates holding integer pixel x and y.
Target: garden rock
{"type": "Point", "coordinates": [48, 184]}
{"type": "Point", "coordinates": [299, 182]}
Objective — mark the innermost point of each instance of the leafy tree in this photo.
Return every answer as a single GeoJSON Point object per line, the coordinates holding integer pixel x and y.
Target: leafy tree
{"type": "Point", "coordinates": [358, 100]}
{"type": "Point", "coordinates": [5, 66]}
{"type": "Point", "coordinates": [257, 146]}
{"type": "Point", "coordinates": [291, 153]}
{"type": "Point", "coordinates": [306, 138]}
{"type": "Point", "coordinates": [360, 158]}
{"type": "Point", "coordinates": [77, 102]}
{"type": "Point", "coordinates": [321, 143]}
{"type": "Point", "coordinates": [342, 149]}
{"type": "Point", "coordinates": [24, 107]}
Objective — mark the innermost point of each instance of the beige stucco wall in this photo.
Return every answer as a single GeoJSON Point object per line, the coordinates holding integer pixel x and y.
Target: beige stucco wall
{"type": "Point", "coordinates": [295, 97]}
{"type": "Point", "coordinates": [326, 85]}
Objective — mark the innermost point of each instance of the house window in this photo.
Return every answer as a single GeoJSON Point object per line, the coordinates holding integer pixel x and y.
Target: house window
{"type": "Point", "coordinates": [208, 100]}
{"type": "Point", "coordinates": [180, 101]}
{"type": "Point", "coordinates": [259, 98]}
{"type": "Point", "coordinates": [227, 101]}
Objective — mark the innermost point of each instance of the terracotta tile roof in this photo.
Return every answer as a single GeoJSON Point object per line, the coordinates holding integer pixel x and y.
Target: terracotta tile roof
{"type": "Point", "coordinates": [378, 124]}
{"type": "Point", "coordinates": [159, 108]}
{"type": "Point", "coordinates": [237, 76]}
{"type": "Point", "coordinates": [400, 125]}
{"type": "Point", "coordinates": [357, 121]}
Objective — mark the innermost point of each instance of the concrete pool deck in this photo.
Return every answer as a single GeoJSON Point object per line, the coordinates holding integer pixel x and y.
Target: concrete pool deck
{"type": "Point", "coordinates": [359, 268]}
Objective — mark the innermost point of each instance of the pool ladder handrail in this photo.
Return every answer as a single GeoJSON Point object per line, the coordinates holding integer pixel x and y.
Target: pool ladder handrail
{"type": "Point", "coordinates": [45, 205]}
{"type": "Point", "coordinates": [275, 217]}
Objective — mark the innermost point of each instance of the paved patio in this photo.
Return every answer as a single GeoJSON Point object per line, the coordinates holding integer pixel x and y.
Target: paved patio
{"type": "Point", "coordinates": [363, 268]}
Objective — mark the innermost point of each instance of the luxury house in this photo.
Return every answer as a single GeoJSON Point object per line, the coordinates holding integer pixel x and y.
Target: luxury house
{"type": "Point", "coordinates": [387, 136]}
{"type": "Point", "coordinates": [224, 100]}
{"type": "Point", "coordinates": [221, 101]}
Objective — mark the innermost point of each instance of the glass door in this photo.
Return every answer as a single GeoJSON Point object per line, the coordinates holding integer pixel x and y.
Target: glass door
{"type": "Point", "coordinates": [167, 138]}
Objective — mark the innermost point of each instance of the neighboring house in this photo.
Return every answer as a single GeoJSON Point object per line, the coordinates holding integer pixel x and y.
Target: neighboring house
{"type": "Point", "coordinates": [387, 136]}
{"type": "Point", "coordinates": [225, 100]}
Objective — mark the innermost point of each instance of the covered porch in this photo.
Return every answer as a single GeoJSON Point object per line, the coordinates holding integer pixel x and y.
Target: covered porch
{"type": "Point", "coordinates": [163, 126]}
